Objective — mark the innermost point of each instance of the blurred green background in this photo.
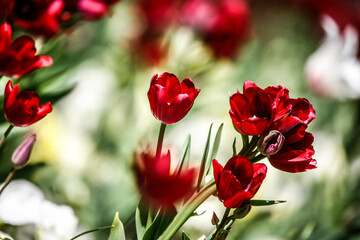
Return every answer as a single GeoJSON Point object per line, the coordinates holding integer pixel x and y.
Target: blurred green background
{"type": "Point", "coordinates": [84, 154]}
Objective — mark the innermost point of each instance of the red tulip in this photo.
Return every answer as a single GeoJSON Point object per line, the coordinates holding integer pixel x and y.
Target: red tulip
{"type": "Point", "coordinates": [251, 111]}
{"type": "Point", "coordinates": [159, 186]}
{"type": "Point", "coordinates": [22, 108]}
{"type": "Point", "coordinates": [238, 181]}
{"type": "Point", "coordinates": [297, 151]}
{"type": "Point", "coordinates": [42, 17]}
{"type": "Point", "coordinates": [17, 58]}
{"type": "Point", "coordinates": [223, 24]}
{"type": "Point", "coordinates": [169, 99]}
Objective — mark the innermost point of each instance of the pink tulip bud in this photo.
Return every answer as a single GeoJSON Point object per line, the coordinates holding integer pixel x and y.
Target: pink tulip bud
{"type": "Point", "coordinates": [270, 143]}
{"type": "Point", "coordinates": [21, 155]}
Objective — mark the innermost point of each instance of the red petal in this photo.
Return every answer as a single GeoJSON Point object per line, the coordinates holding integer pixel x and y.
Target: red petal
{"type": "Point", "coordinates": [241, 167]}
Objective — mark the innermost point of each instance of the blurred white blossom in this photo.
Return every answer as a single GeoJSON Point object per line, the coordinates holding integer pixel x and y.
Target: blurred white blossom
{"type": "Point", "coordinates": [23, 203]}
{"type": "Point", "coordinates": [333, 70]}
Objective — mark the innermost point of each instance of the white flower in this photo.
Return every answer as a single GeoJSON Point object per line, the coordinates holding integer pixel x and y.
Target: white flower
{"type": "Point", "coordinates": [333, 70]}
{"type": "Point", "coordinates": [23, 203]}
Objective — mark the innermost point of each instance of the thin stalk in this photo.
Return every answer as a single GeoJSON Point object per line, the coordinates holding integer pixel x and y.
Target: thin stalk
{"type": "Point", "coordinates": [8, 130]}
{"type": "Point", "coordinates": [8, 179]}
{"type": "Point", "coordinates": [160, 140]}
{"type": "Point", "coordinates": [92, 230]}
{"type": "Point", "coordinates": [250, 147]}
{"type": "Point", "coordinates": [222, 223]}
{"type": "Point", "coordinates": [257, 158]}
{"type": "Point", "coordinates": [187, 210]}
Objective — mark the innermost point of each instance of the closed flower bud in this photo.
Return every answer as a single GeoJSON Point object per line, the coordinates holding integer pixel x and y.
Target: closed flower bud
{"type": "Point", "coordinates": [21, 155]}
{"type": "Point", "coordinates": [242, 211]}
{"type": "Point", "coordinates": [270, 143]}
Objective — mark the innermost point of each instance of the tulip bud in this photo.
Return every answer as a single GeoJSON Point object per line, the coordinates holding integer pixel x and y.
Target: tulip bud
{"type": "Point", "coordinates": [214, 219]}
{"type": "Point", "coordinates": [270, 143]}
{"type": "Point", "coordinates": [21, 155]}
{"type": "Point", "coordinates": [242, 211]}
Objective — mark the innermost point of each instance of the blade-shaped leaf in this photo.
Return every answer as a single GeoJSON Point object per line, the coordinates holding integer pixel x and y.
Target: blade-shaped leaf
{"type": "Point", "coordinates": [117, 233]}
{"type": "Point", "coordinates": [234, 147]}
{"type": "Point", "coordinates": [160, 223]}
{"type": "Point", "coordinates": [185, 155]}
{"type": "Point", "coordinates": [204, 158]}
{"type": "Point", "coordinates": [215, 148]}
{"type": "Point", "coordinates": [265, 202]}
{"type": "Point", "coordinates": [184, 236]}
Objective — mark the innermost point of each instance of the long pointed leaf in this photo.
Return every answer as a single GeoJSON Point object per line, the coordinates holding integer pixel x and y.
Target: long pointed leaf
{"type": "Point", "coordinates": [117, 233]}
{"type": "Point", "coordinates": [185, 155]}
{"type": "Point", "coordinates": [234, 147]}
{"type": "Point", "coordinates": [215, 148]}
{"type": "Point", "coordinates": [204, 158]}
{"type": "Point", "coordinates": [265, 202]}
{"type": "Point", "coordinates": [184, 236]}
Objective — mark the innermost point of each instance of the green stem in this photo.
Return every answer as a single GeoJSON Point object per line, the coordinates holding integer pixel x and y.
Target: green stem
{"type": "Point", "coordinates": [8, 130]}
{"type": "Point", "coordinates": [245, 140]}
{"type": "Point", "coordinates": [222, 223]}
{"type": "Point", "coordinates": [8, 179]}
{"type": "Point", "coordinates": [160, 140]}
{"type": "Point", "coordinates": [187, 210]}
{"type": "Point", "coordinates": [92, 230]}
{"type": "Point", "coordinates": [257, 158]}
{"type": "Point", "coordinates": [250, 147]}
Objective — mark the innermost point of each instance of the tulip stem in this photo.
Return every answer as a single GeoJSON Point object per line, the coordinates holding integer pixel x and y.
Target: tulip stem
{"type": "Point", "coordinates": [222, 224]}
{"type": "Point", "coordinates": [8, 179]}
{"type": "Point", "coordinates": [257, 158]}
{"type": "Point", "coordinates": [93, 230]}
{"type": "Point", "coordinates": [160, 140]}
{"type": "Point", "coordinates": [250, 147]}
{"type": "Point", "coordinates": [188, 209]}
{"type": "Point", "coordinates": [8, 130]}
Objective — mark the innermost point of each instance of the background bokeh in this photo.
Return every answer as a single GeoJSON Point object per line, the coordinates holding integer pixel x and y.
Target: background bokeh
{"type": "Point", "coordinates": [98, 84]}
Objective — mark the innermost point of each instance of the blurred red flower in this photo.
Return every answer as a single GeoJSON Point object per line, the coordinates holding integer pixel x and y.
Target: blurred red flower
{"type": "Point", "coordinates": [23, 108]}
{"type": "Point", "coordinates": [169, 99]}
{"type": "Point", "coordinates": [223, 24]}
{"type": "Point", "coordinates": [17, 58]}
{"type": "Point", "coordinates": [238, 181]}
{"type": "Point", "coordinates": [90, 9]}
{"type": "Point", "coordinates": [159, 186]}
{"type": "Point", "coordinates": [6, 7]}
{"type": "Point", "coordinates": [41, 17]}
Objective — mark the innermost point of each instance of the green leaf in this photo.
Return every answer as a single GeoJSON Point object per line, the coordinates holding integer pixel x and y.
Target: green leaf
{"type": "Point", "coordinates": [204, 158]}
{"type": "Point", "coordinates": [139, 223]}
{"type": "Point", "coordinates": [117, 233]}
{"type": "Point", "coordinates": [234, 147]}
{"type": "Point", "coordinates": [160, 223]}
{"type": "Point", "coordinates": [215, 147]}
{"type": "Point", "coordinates": [265, 202]}
{"type": "Point", "coordinates": [184, 236]}
{"type": "Point", "coordinates": [186, 154]}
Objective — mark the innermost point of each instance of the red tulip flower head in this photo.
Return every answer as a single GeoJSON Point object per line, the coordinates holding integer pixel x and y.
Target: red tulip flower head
{"type": "Point", "coordinates": [159, 186]}
{"type": "Point", "coordinates": [238, 181]}
{"type": "Point", "coordinates": [169, 99]}
{"type": "Point", "coordinates": [17, 58]}
{"type": "Point", "coordinates": [281, 123]}
{"type": "Point", "coordinates": [22, 108]}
